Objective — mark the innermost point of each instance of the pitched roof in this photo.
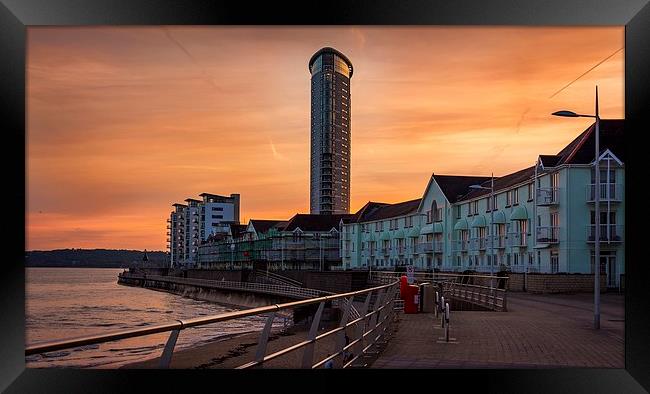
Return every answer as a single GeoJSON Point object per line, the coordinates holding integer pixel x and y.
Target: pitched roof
{"type": "Point", "coordinates": [309, 222]}
{"type": "Point", "coordinates": [456, 186]}
{"type": "Point", "coordinates": [368, 209]}
{"type": "Point", "coordinates": [549, 160]}
{"type": "Point", "coordinates": [380, 211]}
{"type": "Point", "coordinates": [501, 183]}
{"type": "Point", "coordinates": [237, 230]}
{"type": "Point", "coordinates": [582, 149]}
{"type": "Point", "coordinates": [579, 151]}
{"type": "Point", "coordinates": [261, 226]}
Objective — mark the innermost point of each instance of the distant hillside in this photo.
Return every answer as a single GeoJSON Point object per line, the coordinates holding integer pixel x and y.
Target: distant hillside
{"type": "Point", "coordinates": [98, 258]}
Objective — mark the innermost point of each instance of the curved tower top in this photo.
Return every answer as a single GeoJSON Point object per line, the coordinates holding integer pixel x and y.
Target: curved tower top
{"type": "Point", "coordinates": [329, 50]}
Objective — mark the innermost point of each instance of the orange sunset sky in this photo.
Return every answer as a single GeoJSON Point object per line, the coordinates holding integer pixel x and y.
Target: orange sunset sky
{"type": "Point", "coordinates": [124, 121]}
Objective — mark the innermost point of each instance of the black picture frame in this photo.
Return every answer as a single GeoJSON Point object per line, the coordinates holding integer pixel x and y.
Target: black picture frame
{"type": "Point", "coordinates": [17, 15]}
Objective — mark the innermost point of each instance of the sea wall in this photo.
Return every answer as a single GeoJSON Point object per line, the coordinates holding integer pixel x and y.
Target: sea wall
{"type": "Point", "coordinates": [226, 297]}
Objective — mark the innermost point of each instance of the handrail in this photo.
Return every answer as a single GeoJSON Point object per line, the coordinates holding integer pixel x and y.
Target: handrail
{"type": "Point", "coordinates": [187, 323]}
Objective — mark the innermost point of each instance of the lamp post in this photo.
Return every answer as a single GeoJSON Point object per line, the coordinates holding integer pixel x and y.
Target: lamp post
{"type": "Point", "coordinates": [232, 252]}
{"type": "Point", "coordinates": [491, 189]}
{"type": "Point", "coordinates": [597, 208]}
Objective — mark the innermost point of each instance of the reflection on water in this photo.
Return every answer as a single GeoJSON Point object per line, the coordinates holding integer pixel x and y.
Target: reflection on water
{"type": "Point", "coordinates": [73, 302]}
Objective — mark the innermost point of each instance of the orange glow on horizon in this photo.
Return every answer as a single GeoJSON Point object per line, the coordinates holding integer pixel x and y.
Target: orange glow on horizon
{"type": "Point", "coordinates": [122, 122]}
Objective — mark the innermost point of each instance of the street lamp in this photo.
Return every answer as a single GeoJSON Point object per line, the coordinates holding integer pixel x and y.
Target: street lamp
{"type": "Point", "coordinates": [491, 189]}
{"type": "Point", "coordinates": [571, 114]}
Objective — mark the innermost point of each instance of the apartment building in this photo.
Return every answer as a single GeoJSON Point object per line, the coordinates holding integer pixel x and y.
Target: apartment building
{"type": "Point", "coordinates": [540, 220]}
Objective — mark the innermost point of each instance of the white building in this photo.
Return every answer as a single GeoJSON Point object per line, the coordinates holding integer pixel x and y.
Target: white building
{"type": "Point", "coordinates": [191, 223]}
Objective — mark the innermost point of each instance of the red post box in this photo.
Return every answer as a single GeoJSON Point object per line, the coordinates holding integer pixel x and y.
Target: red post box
{"type": "Point", "coordinates": [411, 299]}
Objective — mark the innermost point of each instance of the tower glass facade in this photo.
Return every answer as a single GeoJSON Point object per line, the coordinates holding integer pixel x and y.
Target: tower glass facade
{"type": "Point", "coordinates": [330, 132]}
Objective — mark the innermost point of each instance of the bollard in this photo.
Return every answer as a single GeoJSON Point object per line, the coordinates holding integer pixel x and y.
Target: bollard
{"type": "Point", "coordinates": [447, 322]}
{"type": "Point", "coordinates": [437, 304]}
{"type": "Point", "coordinates": [442, 315]}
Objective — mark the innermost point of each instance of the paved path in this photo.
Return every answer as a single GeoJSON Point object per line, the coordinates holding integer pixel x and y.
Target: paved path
{"type": "Point", "coordinates": [538, 331]}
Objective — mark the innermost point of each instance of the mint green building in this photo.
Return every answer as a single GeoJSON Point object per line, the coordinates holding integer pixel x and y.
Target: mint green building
{"type": "Point", "coordinates": [541, 219]}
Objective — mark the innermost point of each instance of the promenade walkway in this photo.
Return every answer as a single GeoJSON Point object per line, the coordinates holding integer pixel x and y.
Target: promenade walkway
{"type": "Point", "coordinates": [538, 331]}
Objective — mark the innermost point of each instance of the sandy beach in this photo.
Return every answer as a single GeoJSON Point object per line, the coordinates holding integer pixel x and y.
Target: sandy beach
{"type": "Point", "coordinates": [238, 350]}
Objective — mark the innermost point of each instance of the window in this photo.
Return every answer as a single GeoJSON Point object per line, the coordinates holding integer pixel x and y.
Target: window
{"type": "Point", "coordinates": [217, 209]}
{"type": "Point", "coordinates": [429, 216]}
{"type": "Point", "coordinates": [438, 217]}
{"type": "Point", "coordinates": [457, 208]}
{"type": "Point", "coordinates": [530, 192]}
{"type": "Point", "coordinates": [508, 198]}
{"type": "Point", "coordinates": [515, 196]}
{"type": "Point", "coordinates": [217, 216]}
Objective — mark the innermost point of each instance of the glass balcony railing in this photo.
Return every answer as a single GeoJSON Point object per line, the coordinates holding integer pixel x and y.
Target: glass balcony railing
{"type": "Point", "coordinates": [478, 243]}
{"type": "Point", "coordinates": [608, 233]}
{"type": "Point", "coordinates": [518, 239]}
{"type": "Point", "coordinates": [548, 196]}
{"type": "Point", "coordinates": [499, 241]}
{"type": "Point", "coordinates": [461, 245]}
{"type": "Point", "coordinates": [609, 192]}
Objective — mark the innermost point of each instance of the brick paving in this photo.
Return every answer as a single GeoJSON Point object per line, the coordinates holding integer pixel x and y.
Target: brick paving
{"type": "Point", "coordinates": [538, 331]}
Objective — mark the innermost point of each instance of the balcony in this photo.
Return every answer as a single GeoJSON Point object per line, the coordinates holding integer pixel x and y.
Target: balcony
{"type": "Point", "coordinates": [609, 192]}
{"type": "Point", "coordinates": [385, 251]}
{"type": "Point", "coordinates": [499, 241]}
{"type": "Point", "coordinates": [478, 243]}
{"type": "Point", "coordinates": [437, 246]}
{"type": "Point", "coordinates": [425, 247]}
{"type": "Point", "coordinates": [519, 240]}
{"type": "Point", "coordinates": [548, 196]}
{"type": "Point", "coordinates": [372, 252]}
{"type": "Point", "coordinates": [548, 234]}
{"type": "Point", "coordinates": [400, 250]}
{"type": "Point", "coordinates": [609, 233]}
{"type": "Point", "coordinates": [461, 245]}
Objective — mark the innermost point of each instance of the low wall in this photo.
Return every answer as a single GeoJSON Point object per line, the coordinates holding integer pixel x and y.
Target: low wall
{"type": "Point", "coordinates": [546, 283]}
{"type": "Point", "coordinates": [555, 283]}
{"type": "Point", "coordinates": [332, 281]}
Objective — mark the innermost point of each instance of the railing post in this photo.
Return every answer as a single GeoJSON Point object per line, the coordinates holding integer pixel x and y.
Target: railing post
{"type": "Point", "coordinates": [166, 357]}
{"type": "Point", "coordinates": [361, 327]}
{"type": "Point", "coordinates": [442, 315]}
{"type": "Point", "coordinates": [264, 338]}
{"type": "Point", "coordinates": [375, 307]}
{"type": "Point", "coordinates": [308, 355]}
{"type": "Point", "coordinates": [340, 340]}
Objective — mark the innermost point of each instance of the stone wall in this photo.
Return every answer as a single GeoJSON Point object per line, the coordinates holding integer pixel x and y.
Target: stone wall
{"type": "Point", "coordinates": [546, 283]}
{"type": "Point", "coordinates": [333, 281]}
{"type": "Point", "coordinates": [555, 283]}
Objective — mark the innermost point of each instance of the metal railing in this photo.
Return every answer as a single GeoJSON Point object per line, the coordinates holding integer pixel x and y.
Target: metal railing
{"type": "Point", "coordinates": [276, 278]}
{"type": "Point", "coordinates": [608, 233]}
{"type": "Point", "coordinates": [548, 234]}
{"type": "Point", "coordinates": [486, 296]}
{"type": "Point", "coordinates": [370, 327]}
{"type": "Point", "coordinates": [609, 192]}
{"type": "Point", "coordinates": [265, 288]}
